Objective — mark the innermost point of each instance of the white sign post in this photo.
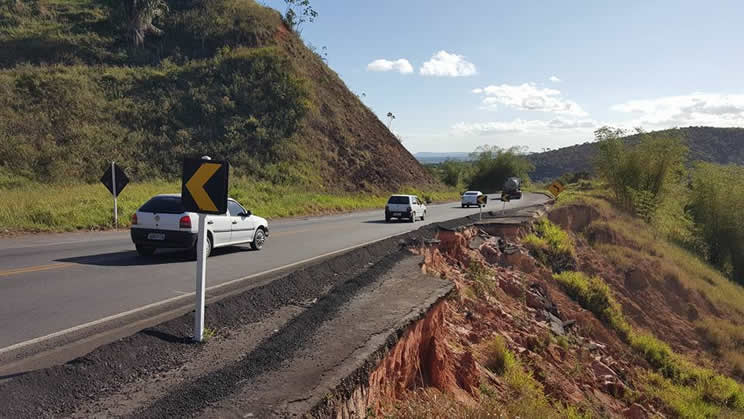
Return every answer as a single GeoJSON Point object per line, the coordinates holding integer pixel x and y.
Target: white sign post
{"type": "Point", "coordinates": [113, 185]}
{"type": "Point", "coordinates": [201, 278]}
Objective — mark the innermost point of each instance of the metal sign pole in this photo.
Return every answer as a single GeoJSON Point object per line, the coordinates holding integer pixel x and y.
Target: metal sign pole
{"type": "Point", "coordinates": [480, 212]}
{"type": "Point", "coordinates": [503, 208]}
{"type": "Point", "coordinates": [113, 186]}
{"type": "Point", "coordinates": [201, 274]}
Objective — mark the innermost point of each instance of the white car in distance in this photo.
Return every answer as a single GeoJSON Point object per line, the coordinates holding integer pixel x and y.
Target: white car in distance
{"type": "Point", "coordinates": [470, 198]}
{"type": "Point", "coordinates": [409, 207]}
{"type": "Point", "coordinates": [162, 223]}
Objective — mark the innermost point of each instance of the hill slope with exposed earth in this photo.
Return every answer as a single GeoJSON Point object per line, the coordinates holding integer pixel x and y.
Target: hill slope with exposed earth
{"type": "Point", "coordinates": [226, 78]}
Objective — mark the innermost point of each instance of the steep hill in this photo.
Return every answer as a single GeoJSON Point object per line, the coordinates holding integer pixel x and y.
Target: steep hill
{"type": "Point", "coordinates": [225, 78]}
{"type": "Point", "coordinates": [718, 145]}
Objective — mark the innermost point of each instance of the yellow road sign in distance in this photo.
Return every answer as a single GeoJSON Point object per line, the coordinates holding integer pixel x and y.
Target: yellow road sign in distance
{"type": "Point", "coordinates": [482, 199]}
{"type": "Point", "coordinates": [204, 186]}
{"type": "Point", "coordinates": [556, 188]}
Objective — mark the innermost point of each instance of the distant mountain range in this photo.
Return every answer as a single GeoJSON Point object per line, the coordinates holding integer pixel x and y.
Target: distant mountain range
{"type": "Point", "coordinates": [430, 158]}
{"type": "Point", "coordinates": [716, 145]}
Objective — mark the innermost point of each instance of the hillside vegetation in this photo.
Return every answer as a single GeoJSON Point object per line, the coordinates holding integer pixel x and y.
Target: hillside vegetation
{"type": "Point", "coordinates": [707, 144]}
{"type": "Point", "coordinates": [226, 78]}
{"type": "Point", "coordinates": [80, 86]}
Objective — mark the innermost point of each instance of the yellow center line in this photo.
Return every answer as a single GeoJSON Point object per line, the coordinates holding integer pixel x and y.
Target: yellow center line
{"type": "Point", "coordinates": [28, 269]}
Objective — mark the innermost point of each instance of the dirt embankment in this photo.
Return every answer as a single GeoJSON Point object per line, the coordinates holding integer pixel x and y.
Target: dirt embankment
{"type": "Point", "coordinates": [503, 293]}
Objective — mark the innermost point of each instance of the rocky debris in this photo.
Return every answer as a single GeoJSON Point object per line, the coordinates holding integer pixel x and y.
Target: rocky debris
{"type": "Point", "coordinates": [519, 259]}
{"type": "Point", "coordinates": [512, 287]}
{"type": "Point", "coordinates": [476, 242]}
{"type": "Point", "coordinates": [554, 323]}
{"type": "Point", "coordinates": [578, 361]}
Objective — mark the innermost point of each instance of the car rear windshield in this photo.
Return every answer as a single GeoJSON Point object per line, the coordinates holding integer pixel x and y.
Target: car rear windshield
{"type": "Point", "coordinates": [398, 200]}
{"type": "Point", "coordinates": [471, 193]}
{"type": "Point", "coordinates": [163, 205]}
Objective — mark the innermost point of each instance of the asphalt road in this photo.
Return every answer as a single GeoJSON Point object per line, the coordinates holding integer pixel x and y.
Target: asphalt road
{"type": "Point", "coordinates": [53, 282]}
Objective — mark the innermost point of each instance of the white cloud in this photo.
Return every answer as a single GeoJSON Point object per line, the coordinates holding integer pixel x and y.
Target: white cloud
{"type": "Point", "coordinates": [529, 97]}
{"type": "Point", "coordinates": [711, 109]}
{"type": "Point", "coordinates": [555, 79]}
{"type": "Point", "coordinates": [444, 64]}
{"type": "Point", "coordinates": [401, 65]}
{"type": "Point", "coordinates": [534, 126]}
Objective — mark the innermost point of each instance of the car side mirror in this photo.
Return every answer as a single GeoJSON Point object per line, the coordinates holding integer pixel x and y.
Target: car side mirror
{"type": "Point", "coordinates": [246, 214]}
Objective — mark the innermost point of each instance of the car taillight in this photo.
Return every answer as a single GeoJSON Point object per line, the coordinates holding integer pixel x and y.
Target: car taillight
{"type": "Point", "coordinates": [134, 219]}
{"type": "Point", "coordinates": [185, 222]}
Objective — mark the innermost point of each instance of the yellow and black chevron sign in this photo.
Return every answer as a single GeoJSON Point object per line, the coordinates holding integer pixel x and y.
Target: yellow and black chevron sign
{"type": "Point", "coordinates": [204, 186]}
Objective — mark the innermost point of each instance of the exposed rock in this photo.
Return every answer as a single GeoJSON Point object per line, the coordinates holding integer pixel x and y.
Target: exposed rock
{"type": "Point", "coordinates": [476, 242]}
{"type": "Point", "coordinates": [490, 253]}
{"type": "Point", "coordinates": [518, 259]}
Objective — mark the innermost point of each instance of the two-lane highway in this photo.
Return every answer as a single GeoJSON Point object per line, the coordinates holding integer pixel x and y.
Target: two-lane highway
{"type": "Point", "coordinates": [53, 282]}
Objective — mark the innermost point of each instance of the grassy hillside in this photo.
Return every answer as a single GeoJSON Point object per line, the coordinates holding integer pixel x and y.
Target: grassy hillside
{"type": "Point", "coordinates": [225, 78]}
{"type": "Point", "coordinates": [716, 145]}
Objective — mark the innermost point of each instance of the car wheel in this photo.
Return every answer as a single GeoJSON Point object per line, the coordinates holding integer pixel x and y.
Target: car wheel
{"type": "Point", "coordinates": [423, 216]}
{"type": "Point", "coordinates": [463, 205]}
{"type": "Point", "coordinates": [387, 218]}
{"type": "Point", "coordinates": [195, 249]}
{"type": "Point", "coordinates": [145, 251]}
{"type": "Point", "coordinates": [258, 240]}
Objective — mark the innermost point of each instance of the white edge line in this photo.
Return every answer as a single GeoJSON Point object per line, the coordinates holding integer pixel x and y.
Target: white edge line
{"type": "Point", "coordinates": [180, 297]}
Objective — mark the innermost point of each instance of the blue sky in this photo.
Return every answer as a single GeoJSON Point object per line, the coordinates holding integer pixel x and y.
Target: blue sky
{"type": "Point", "coordinates": [478, 72]}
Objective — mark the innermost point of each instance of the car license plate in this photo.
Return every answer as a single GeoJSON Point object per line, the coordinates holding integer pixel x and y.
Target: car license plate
{"type": "Point", "coordinates": [156, 236]}
{"type": "Point", "coordinates": [396, 214]}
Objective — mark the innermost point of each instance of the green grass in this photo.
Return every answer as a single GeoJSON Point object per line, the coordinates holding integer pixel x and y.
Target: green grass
{"type": "Point", "coordinates": [37, 207]}
{"type": "Point", "coordinates": [689, 390]}
{"type": "Point", "coordinates": [552, 246]}
{"type": "Point", "coordinates": [594, 295]}
{"type": "Point", "coordinates": [497, 357]}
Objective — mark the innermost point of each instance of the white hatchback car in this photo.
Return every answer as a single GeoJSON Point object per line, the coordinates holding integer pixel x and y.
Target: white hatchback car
{"type": "Point", "coordinates": [405, 206]}
{"type": "Point", "coordinates": [162, 223]}
{"type": "Point", "coordinates": [471, 198]}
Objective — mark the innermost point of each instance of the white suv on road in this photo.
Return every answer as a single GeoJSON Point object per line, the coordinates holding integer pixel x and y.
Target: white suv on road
{"type": "Point", "coordinates": [471, 198]}
{"type": "Point", "coordinates": [405, 206]}
{"type": "Point", "coordinates": [162, 223]}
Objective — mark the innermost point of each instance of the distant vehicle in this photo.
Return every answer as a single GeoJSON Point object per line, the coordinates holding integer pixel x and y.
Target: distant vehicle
{"type": "Point", "coordinates": [162, 223]}
{"type": "Point", "coordinates": [405, 206]}
{"type": "Point", "coordinates": [512, 188]}
{"type": "Point", "coordinates": [471, 198]}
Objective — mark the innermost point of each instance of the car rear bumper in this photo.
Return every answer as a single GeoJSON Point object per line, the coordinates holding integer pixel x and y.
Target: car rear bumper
{"type": "Point", "coordinates": [173, 239]}
{"type": "Point", "coordinates": [397, 214]}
